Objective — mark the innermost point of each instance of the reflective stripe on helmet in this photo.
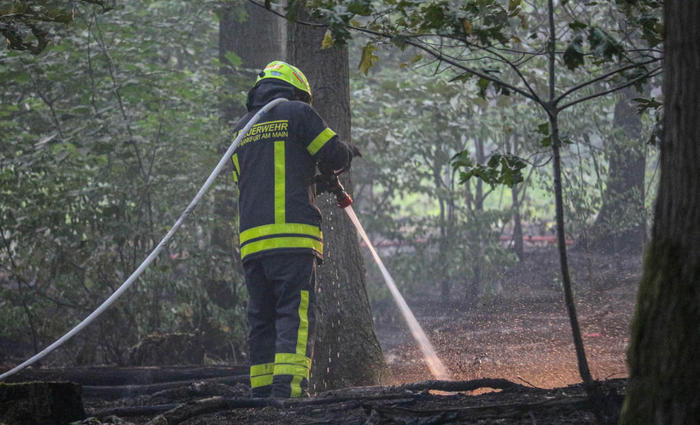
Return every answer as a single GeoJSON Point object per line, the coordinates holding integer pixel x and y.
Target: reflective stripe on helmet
{"type": "Point", "coordinates": [287, 73]}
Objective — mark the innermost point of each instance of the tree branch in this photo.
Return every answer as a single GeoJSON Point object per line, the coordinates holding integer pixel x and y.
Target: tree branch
{"type": "Point", "coordinates": [602, 77]}
{"type": "Point", "coordinates": [437, 55]}
{"type": "Point", "coordinates": [512, 65]}
{"type": "Point", "coordinates": [649, 74]}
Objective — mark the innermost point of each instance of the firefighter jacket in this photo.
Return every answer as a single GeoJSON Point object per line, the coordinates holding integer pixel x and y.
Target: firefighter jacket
{"type": "Point", "coordinates": [274, 166]}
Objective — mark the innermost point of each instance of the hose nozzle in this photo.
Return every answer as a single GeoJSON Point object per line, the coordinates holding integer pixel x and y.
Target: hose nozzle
{"type": "Point", "coordinates": [343, 200]}
{"type": "Point", "coordinates": [331, 184]}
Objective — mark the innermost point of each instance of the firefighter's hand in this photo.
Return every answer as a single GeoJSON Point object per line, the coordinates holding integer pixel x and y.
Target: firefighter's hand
{"type": "Point", "coordinates": [326, 183]}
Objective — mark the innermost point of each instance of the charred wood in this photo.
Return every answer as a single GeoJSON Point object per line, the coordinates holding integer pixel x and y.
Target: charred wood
{"type": "Point", "coordinates": [40, 403]}
{"type": "Point", "coordinates": [123, 391]}
{"type": "Point", "coordinates": [106, 375]}
{"type": "Point", "coordinates": [452, 386]}
{"type": "Point", "coordinates": [209, 405]}
{"type": "Point", "coordinates": [498, 411]}
{"type": "Point", "coordinates": [131, 411]}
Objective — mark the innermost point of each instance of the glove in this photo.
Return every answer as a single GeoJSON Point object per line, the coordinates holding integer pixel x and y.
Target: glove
{"type": "Point", "coordinates": [327, 183]}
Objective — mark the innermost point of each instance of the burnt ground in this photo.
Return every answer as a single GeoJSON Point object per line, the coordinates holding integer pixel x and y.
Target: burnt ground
{"type": "Point", "coordinates": [521, 331]}
{"type": "Point", "coordinates": [519, 335]}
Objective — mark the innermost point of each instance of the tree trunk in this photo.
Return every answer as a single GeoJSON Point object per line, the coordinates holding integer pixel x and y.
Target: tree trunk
{"type": "Point", "coordinates": [257, 37]}
{"type": "Point", "coordinates": [605, 413]}
{"type": "Point", "coordinates": [239, 33]}
{"type": "Point", "coordinates": [347, 351]}
{"type": "Point", "coordinates": [663, 356]}
{"type": "Point", "coordinates": [584, 371]}
{"type": "Point", "coordinates": [515, 196]}
{"type": "Point", "coordinates": [480, 159]}
{"type": "Point", "coordinates": [442, 227]}
{"type": "Point", "coordinates": [474, 233]}
{"type": "Point", "coordinates": [619, 226]}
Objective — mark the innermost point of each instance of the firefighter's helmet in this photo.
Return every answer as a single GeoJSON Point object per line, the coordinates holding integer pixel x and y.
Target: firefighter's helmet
{"type": "Point", "coordinates": [287, 73]}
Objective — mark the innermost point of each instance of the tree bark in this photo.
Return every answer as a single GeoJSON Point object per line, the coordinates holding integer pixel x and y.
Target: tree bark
{"type": "Point", "coordinates": [518, 246]}
{"type": "Point", "coordinates": [664, 387]}
{"type": "Point", "coordinates": [239, 33]}
{"type": "Point", "coordinates": [257, 37]}
{"type": "Point", "coordinates": [347, 351]}
{"type": "Point", "coordinates": [480, 159]}
{"type": "Point", "coordinates": [583, 368]}
{"type": "Point", "coordinates": [619, 226]}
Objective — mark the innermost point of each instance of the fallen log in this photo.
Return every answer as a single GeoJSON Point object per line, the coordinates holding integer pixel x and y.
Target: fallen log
{"type": "Point", "coordinates": [215, 404]}
{"type": "Point", "coordinates": [475, 384]}
{"type": "Point", "coordinates": [354, 404]}
{"type": "Point", "coordinates": [124, 391]}
{"type": "Point", "coordinates": [201, 389]}
{"type": "Point", "coordinates": [338, 396]}
{"type": "Point", "coordinates": [496, 411]}
{"type": "Point", "coordinates": [108, 375]}
{"type": "Point", "coordinates": [131, 411]}
{"type": "Point", "coordinates": [40, 403]}
{"type": "Point", "coordinates": [450, 386]}
{"type": "Point", "coordinates": [209, 405]}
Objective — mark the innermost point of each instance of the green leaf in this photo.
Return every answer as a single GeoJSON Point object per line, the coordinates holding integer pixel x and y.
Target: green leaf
{"type": "Point", "coordinates": [400, 41]}
{"type": "Point", "coordinates": [483, 84]}
{"type": "Point", "coordinates": [543, 128]}
{"type": "Point", "coordinates": [468, 26]}
{"type": "Point", "coordinates": [577, 26]}
{"type": "Point", "coordinates": [413, 60]}
{"type": "Point", "coordinates": [573, 55]}
{"type": "Point", "coordinates": [368, 59]}
{"type": "Point", "coordinates": [233, 59]}
{"type": "Point", "coordinates": [646, 103]}
{"type": "Point", "coordinates": [500, 169]}
{"type": "Point", "coordinates": [462, 160]}
{"type": "Point", "coordinates": [360, 7]}
{"type": "Point", "coordinates": [603, 45]}
{"type": "Point", "coordinates": [327, 40]}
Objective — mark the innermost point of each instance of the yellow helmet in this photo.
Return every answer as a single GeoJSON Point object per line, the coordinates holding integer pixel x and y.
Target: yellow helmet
{"type": "Point", "coordinates": [287, 73]}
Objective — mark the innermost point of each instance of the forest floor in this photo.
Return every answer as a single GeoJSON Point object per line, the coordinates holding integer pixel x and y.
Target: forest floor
{"type": "Point", "coordinates": [516, 340]}
{"type": "Point", "coordinates": [521, 332]}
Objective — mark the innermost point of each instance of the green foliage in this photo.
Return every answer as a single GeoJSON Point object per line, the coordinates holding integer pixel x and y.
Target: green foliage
{"type": "Point", "coordinates": [29, 24]}
{"type": "Point", "coordinates": [407, 192]}
{"type": "Point", "coordinates": [500, 169]}
{"type": "Point", "coordinates": [106, 137]}
{"type": "Point", "coordinates": [646, 15]}
{"type": "Point", "coordinates": [604, 47]}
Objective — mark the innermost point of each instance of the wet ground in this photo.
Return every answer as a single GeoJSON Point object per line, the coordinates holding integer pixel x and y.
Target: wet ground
{"type": "Point", "coordinates": [521, 331]}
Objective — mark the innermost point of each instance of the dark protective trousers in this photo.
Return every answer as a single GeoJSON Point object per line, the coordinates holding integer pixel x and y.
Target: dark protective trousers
{"type": "Point", "coordinates": [281, 323]}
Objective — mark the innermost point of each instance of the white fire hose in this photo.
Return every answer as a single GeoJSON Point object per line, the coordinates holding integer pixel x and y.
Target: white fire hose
{"type": "Point", "coordinates": [109, 301]}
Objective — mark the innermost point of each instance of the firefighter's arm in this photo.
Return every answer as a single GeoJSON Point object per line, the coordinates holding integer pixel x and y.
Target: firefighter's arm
{"type": "Point", "coordinates": [332, 155]}
{"type": "Point", "coordinates": [336, 157]}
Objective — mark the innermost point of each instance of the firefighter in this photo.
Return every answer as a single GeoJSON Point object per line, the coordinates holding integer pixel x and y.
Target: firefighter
{"type": "Point", "coordinates": [276, 166]}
